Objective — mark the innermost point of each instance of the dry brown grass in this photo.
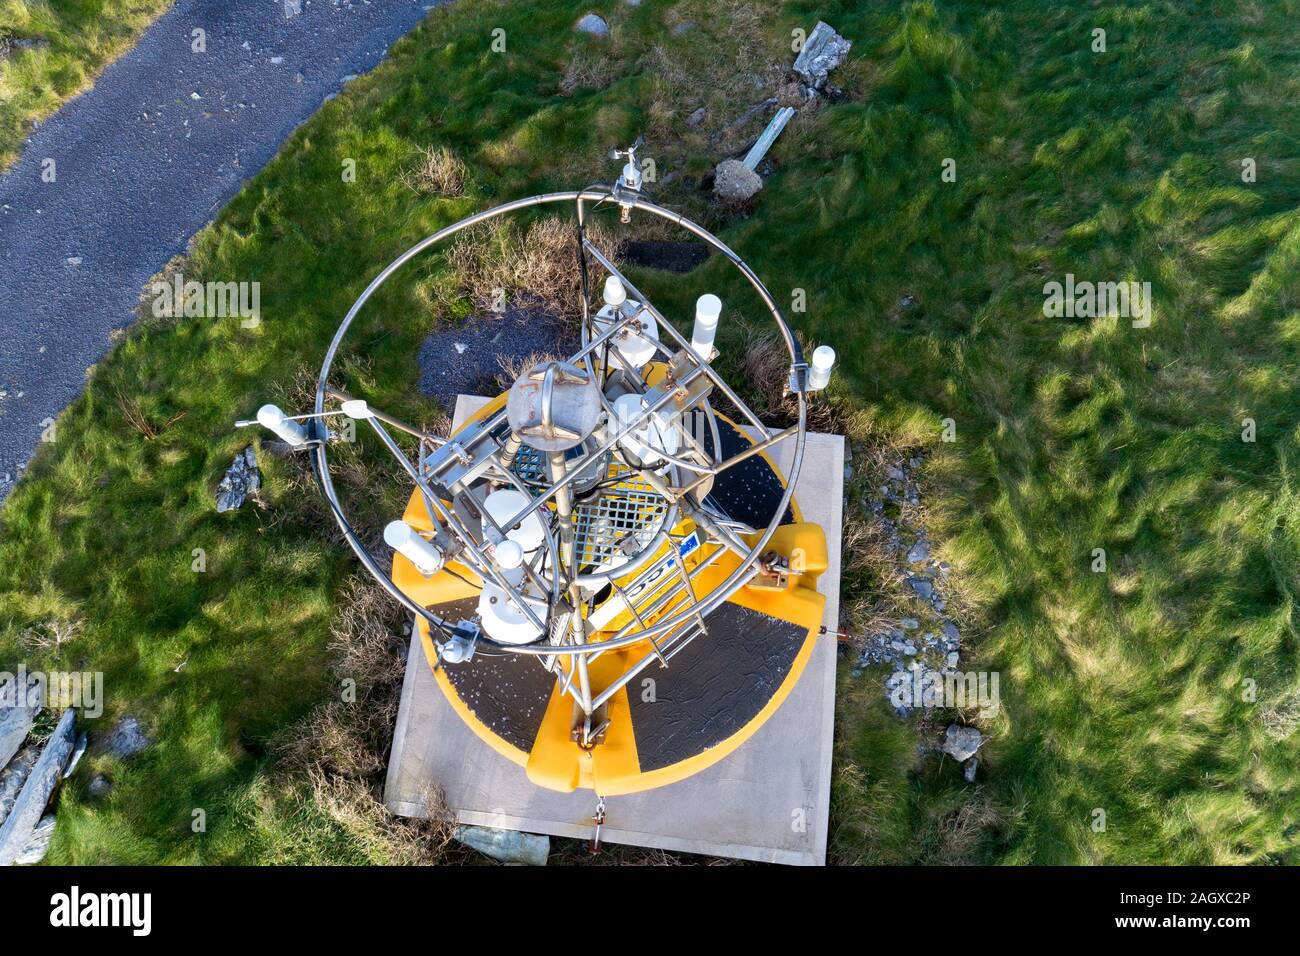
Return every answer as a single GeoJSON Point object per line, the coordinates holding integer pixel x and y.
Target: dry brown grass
{"type": "Point", "coordinates": [874, 593]}
{"type": "Point", "coordinates": [167, 312]}
{"type": "Point", "coordinates": [1282, 718]}
{"type": "Point", "coordinates": [397, 841]}
{"type": "Point", "coordinates": [437, 172]}
{"type": "Point", "coordinates": [499, 263]}
{"type": "Point", "coordinates": [962, 830]}
{"type": "Point", "coordinates": [341, 748]}
{"type": "Point", "coordinates": [50, 635]}
{"type": "Point", "coordinates": [765, 366]}
{"type": "Point", "coordinates": [510, 367]}
{"type": "Point", "coordinates": [588, 70]}
{"type": "Point", "coordinates": [130, 408]}
{"type": "Point", "coordinates": [350, 735]}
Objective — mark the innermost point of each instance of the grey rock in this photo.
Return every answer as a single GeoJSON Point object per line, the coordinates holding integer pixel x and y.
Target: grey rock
{"type": "Point", "coordinates": [734, 182]}
{"type": "Point", "coordinates": [592, 24]}
{"type": "Point", "coordinates": [241, 479]}
{"type": "Point", "coordinates": [895, 473]}
{"type": "Point", "coordinates": [29, 43]}
{"type": "Point", "coordinates": [950, 631]}
{"type": "Point", "coordinates": [909, 624]}
{"type": "Point", "coordinates": [18, 708]}
{"type": "Point", "coordinates": [681, 29]}
{"type": "Point", "coordinates": [38, 844]}
{"type": "Point", "coordinates": [99, 787]}
{"type": "Point", "coordinates": [919, 552]}
{"type": "Point", "coordinates": [507, 846]}
{"type": "Point", "coordinates": [822, 52]}
{"type": "Point", "coordinates": [953, 658]}
{"type": "Point", "coordinates": [922, 586]}
{"type": "Point", "coordinates": [14, 776]}
{"type": "Point", "coordinates": [127, 738]}
{"type": "Point", "coordinates": [960, 742]}
{"type": "Point", "coordinates": [20, 825]}
{"type": "Point", "coordinates": [77, 754]}
{"type": "Point", "coordinates": [969, 769]}
{"type": "Point", "coordinates": [696, 118]}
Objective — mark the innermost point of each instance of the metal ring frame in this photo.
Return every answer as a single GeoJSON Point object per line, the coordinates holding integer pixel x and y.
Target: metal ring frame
{"type": "Point", "coordinates": [628, 200]}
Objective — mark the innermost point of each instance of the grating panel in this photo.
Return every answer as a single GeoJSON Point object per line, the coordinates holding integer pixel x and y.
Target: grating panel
{"type": "Point", "coordinates": [617, 523]}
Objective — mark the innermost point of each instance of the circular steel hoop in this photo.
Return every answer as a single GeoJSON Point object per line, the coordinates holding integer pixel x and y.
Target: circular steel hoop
{"type": "Point", "coordinates": [705, 604]}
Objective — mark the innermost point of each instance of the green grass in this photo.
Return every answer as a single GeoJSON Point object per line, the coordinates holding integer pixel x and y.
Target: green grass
{"type": "Point", "coordinates": [74, 40]}
{"type": "Point", "coordinates": [1122, 691]}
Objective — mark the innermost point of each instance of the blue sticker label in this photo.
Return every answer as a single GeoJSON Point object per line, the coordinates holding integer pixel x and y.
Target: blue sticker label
{"type": "Point", "coordinates": [689, 544]}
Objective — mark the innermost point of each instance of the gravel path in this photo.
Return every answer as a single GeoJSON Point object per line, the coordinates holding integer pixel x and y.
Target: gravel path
{"type": "Point", "coordinates": [142, 162]}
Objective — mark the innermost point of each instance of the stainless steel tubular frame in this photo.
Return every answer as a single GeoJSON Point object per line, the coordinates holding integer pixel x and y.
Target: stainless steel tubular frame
{"type": "Point", "coordinates": [745, 568]}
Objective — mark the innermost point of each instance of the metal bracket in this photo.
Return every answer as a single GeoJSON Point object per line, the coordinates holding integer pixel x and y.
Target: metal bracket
{"type": "Point", "coordinates": [773, 573]}
{"type": "Point", "coordinates": [460, 648]}
{"type": "Point", "coordinates": [798, 381]}
{"type": "Point", "coordinates": [629, 180]}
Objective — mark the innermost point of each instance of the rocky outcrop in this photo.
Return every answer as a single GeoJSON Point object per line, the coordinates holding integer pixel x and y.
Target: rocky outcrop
{"type": "Point", "coordinates": [822, 52]}
{"type": "Point", "coordinates": [924, 649]}
{"type": "Point", "coordinates": [12, 778]}
{"type": "Point", "coordinates": [592, 24]}
{"type": "Point", "coordinates": [960, 743]}
{"type": "Point", "coordinates": [127, 738]}
{"type": "Point", "coordinates": [242, 479]}
{"type": "Point", "coordinates": [18, 708]}
{"type": "Point", "coordinates": [39, 843]}
{"type": "Point", "coordinates": [20, 826]}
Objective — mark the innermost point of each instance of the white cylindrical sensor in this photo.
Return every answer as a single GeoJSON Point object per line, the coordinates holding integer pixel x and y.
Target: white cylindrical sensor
{"type": "Point", "coordinates": [615, 294]}
{"type": "Point", "coordinates": [708, 309]}
{"type": "Point", "coordinates": [819, 374]}
{"type": "Point", "coordinates": [657, 437]}
{"type": "Point", "coordinates": [406, 541]}
{"type": "Point", "coordinates": [509, 554]}
{"type": "Point", "coordinates": [505, 504]}
{"type": "Point", "coordinates": [273, 419]}
{"type": "Point", "coordinates": [503, 618]}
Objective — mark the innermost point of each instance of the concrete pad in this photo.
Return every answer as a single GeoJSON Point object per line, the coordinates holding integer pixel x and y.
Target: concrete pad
{"type": "Point", "coordinates": [768, 801]}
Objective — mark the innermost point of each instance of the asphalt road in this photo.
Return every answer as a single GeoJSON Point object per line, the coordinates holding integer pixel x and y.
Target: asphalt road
{"type": "Point", "coordinates": [141, 164]}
